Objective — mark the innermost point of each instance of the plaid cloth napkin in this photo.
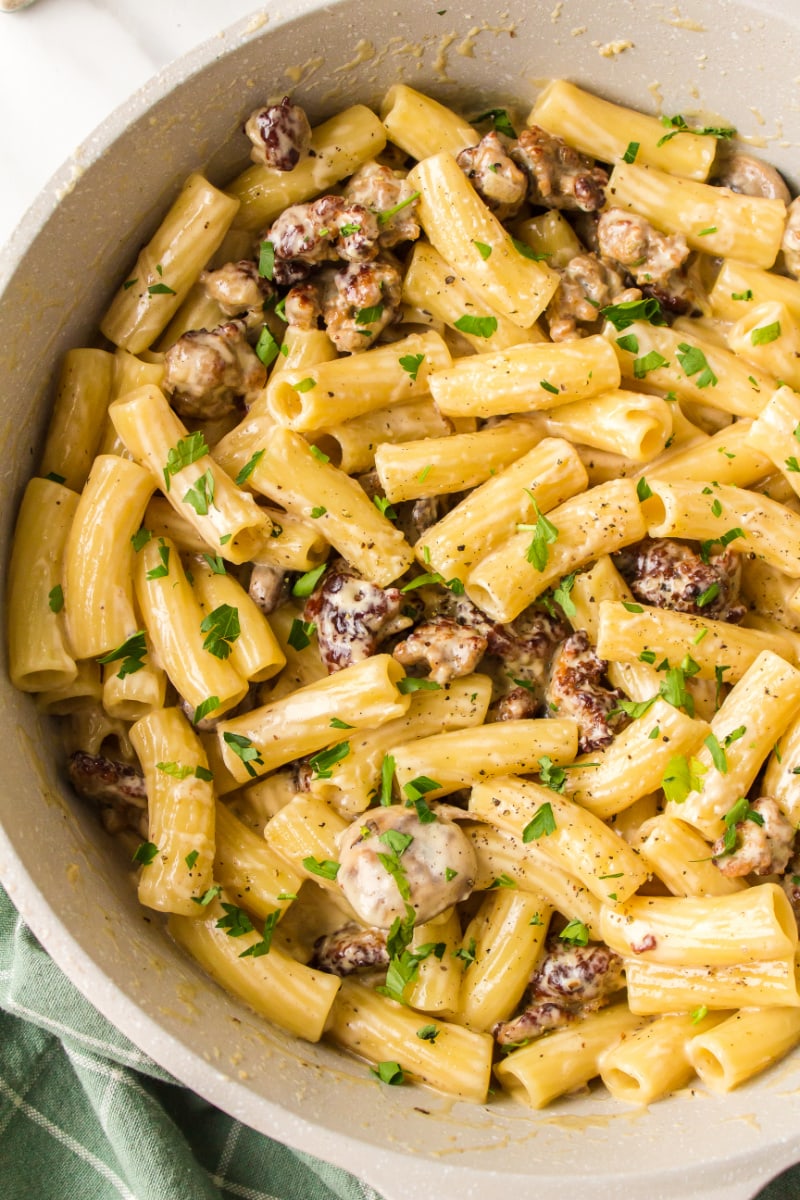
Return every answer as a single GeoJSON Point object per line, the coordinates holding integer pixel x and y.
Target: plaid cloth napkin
{"type": "Point", "coordinates": [84, 1115]}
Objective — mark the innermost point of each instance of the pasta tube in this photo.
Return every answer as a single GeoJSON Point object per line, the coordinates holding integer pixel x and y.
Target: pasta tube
{"type": "Point", "coordinates": [577, 841]}
{"type": "Point", "coordinates": [98, 559]}
{"type": "Point", "coordinates": [754, 925]}
{"type": "Point", "coordinates": [422, 126]}
{"type": "Point", "coordinates": [624, 635]}
{"type": "Point", "coordinates": [679, 856]}
{"type": "Point", "coordinates": [605, 130]}
{"type": "Point", "coordinates": [662, 988]}
{"type": "Point", "coordinates": [435, 466]}
{"type": "Point", "coordinates": [364, 694]}
{"type": "Point", "coordinates": [654, 1061]}
{"type": "Point", "coordinates": [168, 265]}
{"type": "Point", "coordinates": [338, 146]}
{"type": "Point", "coordinates": [525, 379]}
{"type": "Point", "coordinates": [250, 871]}
{"type": "Point", "coordinates": [712, 219]}
{"type": "Point", "coordinates": [551, 472]}
{"type": "Point", "coordinates": [295, 997]}
{"type": "Point", "coordinates": [508, 932]}
{"type": "Point", "coordinates": [76, 423]}
{"type": "Point", "coordinates": [739, 286]}
{"type": "Point", "coordinates": [180, 813]}
{"type": "Point", "coordinates": [635, 762]}
{"type": "Point", "coordinates": [568, 1058]}
{"type": "Point", "coordinates": [457, 222]}
{"type": "Point", "coordinates": [254, 652]}
{"type": "Point", "coordinates": [761, 705]}
{"type": "Point", "coordinates": [354, 444]}
{"type": "Point", "coordinates": [293, 476]}
{"type": "Point", "coordinates": [227, 519]}
{"type": "Point", "coordinates": [747, 1043]}
{"type": "Point", "coordinates": [39, 658]}
{"type": "Point", "coordinates": [596, 522]}
{"type": "Point", "coordinates": [433, 286]}
{"type": "Point", "coordinates": [455, 759]}
{"type": "Point", "coordinates": [173, 618]}
{"type": "Point", "coordinates": [457, 1061]}
{"type": "Point", "coordinates": [750, 522]}
{"type": "Point", "coordinates": [304, 397]}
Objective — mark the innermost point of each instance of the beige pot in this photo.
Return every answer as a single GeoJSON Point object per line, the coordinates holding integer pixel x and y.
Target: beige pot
{"type": "Point", "coordinates": [730, 60]}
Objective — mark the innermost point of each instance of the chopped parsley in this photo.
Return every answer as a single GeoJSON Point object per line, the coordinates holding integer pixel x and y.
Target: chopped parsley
{"type": "Point", "coordinates": [476, 326]}
{"type": "Point", "coordinates": [387, 775]}
{"type": "Point", "coordinates": [544, 535]}
{"type": "Point", "coordinates": [648, 362]}
{"type": "Point", "coordinates": [694, 362]}
{"type": "Point", "coordinates": [631, 150]}
{"type": "Point", "coordinates": [144, 853]}
{"type": "Point", "coordinates": [677, 124]}
{"type": "Point", "coordinates": [301, 633]}
{"type": "Point", "coordinates": [185, 452]}
{"type": "Point", "coordinates": [623, 315]}
{"type": "Point", "coordinates": [266, 260]}
{"type": "Point", "coordinates": [681, 777]}
{"type": "Point", "coordinates": [500, 120]}
{"type": "Point", "coordinates": [130, 653]}
{"type": "Point", "coordinates": [388, 1072]}
{"type": "Point", "coordinates": [542, 824]}
{"type": "Point", "coordinates": [562, 597]}
{"type": "Point", "coordinates": [305, 585]}
{"type": "Point", "coordinates": [326, 868]}
{"type": "Point", "coordinates": [201, 494]}
{"type": "Point", "coordinates": [323, 762]}
{"type": "Point", "coordinates": [162, 570]}
{"type": "Point", "coordinates": [576, 933]}
{"type": "Point", "coordinates": [741, 811]}
{"type": "Point", "coordinates": [467, 954]}
{"type": "Point", "coordinates": [305, 385]}
{"type": "Point", "coordinates": [209, 705]}
{"type": "Point", "coordinates": [409, 684]}
{"type": "Point", "coordinates": [368, 316]}
{"type": "Point", "coordinates": [267, 349]}
{"type": "Point", "coordinates": [244, 749]}
{"type": "Point", "coordinates": [548, 387]}
{"type": "Point", "coordinates": [55, 598]}
{"type": "Point", "coordinates": [411, 364]}
{"type": "Point", "coordinates": [222, 628]}
{"type": "Point", "coordinates": [386, 215]}
{"type": "Point", "coordinates": [482, 249]}
{"type": "Point", "coordinates": [766, 333]}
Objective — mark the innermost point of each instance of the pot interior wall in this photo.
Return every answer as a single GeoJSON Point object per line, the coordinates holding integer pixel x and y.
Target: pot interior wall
{"type": "Point", "coordinates": [724, 61]}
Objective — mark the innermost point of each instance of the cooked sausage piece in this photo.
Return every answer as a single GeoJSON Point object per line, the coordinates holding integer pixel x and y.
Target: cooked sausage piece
{"type": "Point", "coordinates": [280, 133]}
{"type": "Point", "coordinates": [118, 788]}
{"type": "Point", "coordinates": [764, 842]}
{"type": "Point", "coordinates": [354, 304]}
{"type": "Point", "coordinates": [558, 176]}
{"type": "Point", "coordinates": [576, 689]}
{"type": "Point", "coordinates": [433, 862]}
{"type": "Point", "coordinates": [587, 285]}
{"type": "Point", "coordinates": [349, 949]}
{"type": "Point", "coordinates": [654, 260]}
{"type": "Point", "coordinates": [239, 290]}
{"type": "Point", "coordinates": [569, 981]}
{"type": "Point", "coordinates": [323, 230]}
{"type": "Point", "coordinates": [388, 195]}
{"type": "Point", "coordinates": [495, 176]}
{"type": "Point", "coordinates": [669, 574]}
{"type": "Point", "coordinates": [448, 649]}
{"type": "Point", "coordinates": [206, 372]}
{"type": "Point", "coordinates": [353, 616]}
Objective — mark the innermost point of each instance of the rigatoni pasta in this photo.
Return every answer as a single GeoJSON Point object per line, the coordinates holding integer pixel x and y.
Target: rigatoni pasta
{"type": "Point", "coordinates": [420, 583]}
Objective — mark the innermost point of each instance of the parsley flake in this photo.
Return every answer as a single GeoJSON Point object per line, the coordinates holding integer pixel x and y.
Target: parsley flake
{"type": "Point", "coordinates": [542, 824]}
{"type": "Point", "coordinates": [244, 749]}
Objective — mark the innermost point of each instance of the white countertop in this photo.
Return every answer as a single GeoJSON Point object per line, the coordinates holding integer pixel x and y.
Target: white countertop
{"type": "Point", "coordinates": [66, 64]}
